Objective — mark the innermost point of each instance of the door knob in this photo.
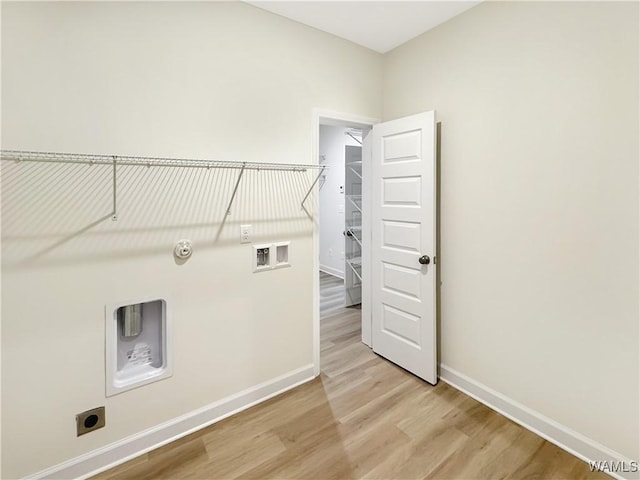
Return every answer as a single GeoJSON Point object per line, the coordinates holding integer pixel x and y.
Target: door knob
{"type": "Point", "coordinates": [424, 260]}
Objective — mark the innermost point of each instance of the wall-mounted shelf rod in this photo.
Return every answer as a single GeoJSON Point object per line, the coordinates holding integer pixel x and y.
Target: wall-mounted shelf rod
{"type": "Point", "coordinates": [26, 156]}
{"type": "Point", "coordinates": [124, 160]}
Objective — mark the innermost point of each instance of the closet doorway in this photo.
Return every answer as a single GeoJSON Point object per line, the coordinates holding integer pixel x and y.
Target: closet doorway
{"type": "Point", "coordinates": [340, 217]}
{"type": "Point", "coordinates": [386, 210]}
{"type": "Point", "coordinates": [339, 233]}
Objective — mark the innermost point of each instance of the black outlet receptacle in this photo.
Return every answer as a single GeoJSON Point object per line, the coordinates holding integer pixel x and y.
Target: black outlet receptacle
{"type": "Point", "coordinates": [90, 420]}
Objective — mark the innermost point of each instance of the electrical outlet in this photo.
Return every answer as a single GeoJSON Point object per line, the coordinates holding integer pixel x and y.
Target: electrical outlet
{"type": "Point", "coordinates": [245, 233]}
{"type": "Point", "coordinates": [90, 420]}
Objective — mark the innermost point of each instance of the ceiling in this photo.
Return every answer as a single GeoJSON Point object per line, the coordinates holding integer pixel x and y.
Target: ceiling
{"type": "Point", "coordinates": [378, 25]}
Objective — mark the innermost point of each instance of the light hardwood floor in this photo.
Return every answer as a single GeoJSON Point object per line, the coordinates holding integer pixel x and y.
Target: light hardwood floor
{"type": "Point", "coordinates": [331, 293]}
{"type": "Point", "coordinates": [363, 417]}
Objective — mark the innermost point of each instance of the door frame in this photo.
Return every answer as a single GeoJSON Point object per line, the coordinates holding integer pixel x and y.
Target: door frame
{"type": "Point", "coordinates": [328, 117]}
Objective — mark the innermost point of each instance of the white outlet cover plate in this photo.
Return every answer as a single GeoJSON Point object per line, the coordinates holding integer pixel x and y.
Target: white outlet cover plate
{"type": "Point", "coordinates": [245, 233]}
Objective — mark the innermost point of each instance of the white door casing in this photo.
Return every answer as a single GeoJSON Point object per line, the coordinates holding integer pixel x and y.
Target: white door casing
{"type": "Point", "coordinates": [366, 237]}
{"type": "Point", "coordinates": [403, 224]}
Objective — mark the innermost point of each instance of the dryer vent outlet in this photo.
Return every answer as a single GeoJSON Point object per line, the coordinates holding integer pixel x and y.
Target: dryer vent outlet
{"type": "Point", "coordinates": [90, 420]}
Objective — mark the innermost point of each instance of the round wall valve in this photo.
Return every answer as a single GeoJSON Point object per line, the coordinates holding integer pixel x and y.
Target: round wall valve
{"type": "Point", "coordinates": [183, 249]}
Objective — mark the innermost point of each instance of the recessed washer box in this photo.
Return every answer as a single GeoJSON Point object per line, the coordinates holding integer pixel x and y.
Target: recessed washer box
{"type": "Point", "coordinates": [262, 257]}
{"type": "Point", "coordinates": [270, 256]}
{"type": "Point", "coordinates": [138, 339]}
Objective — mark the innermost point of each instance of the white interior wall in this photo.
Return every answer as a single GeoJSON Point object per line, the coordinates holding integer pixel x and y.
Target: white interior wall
{"type": "Point", "coordinates": [539, 203]}
{"type": "Point", "coordinates": [176, 79]}
{"type": "Point", "coordinates": [331, 200]}
{"type": "Point", "coordinates": [200, 80]}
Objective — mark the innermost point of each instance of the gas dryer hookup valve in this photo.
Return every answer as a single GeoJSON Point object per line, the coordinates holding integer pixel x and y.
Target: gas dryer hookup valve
{"type": "Point", "coordinates": [183, 249]}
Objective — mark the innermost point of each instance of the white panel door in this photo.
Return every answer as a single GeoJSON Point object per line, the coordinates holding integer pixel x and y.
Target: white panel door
{"type": "Point", "coordinates": [403, 277]}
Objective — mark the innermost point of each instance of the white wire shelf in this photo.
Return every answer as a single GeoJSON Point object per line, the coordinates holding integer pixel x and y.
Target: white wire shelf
{"type": "Point", "coordinates": [356, 201]}
{"type": "Point", "coordinates": [355, 261]}
{"type": "Point", "coordinates": [127, 160]}
{"type": "Point", "coordinates": [90, 159]}
{"type": "Point", "coordinates": [354, 232]}
{"type": "Point", "coordinates": [357, 172]}
{"type": "Point", "coordinates": [355, 264]}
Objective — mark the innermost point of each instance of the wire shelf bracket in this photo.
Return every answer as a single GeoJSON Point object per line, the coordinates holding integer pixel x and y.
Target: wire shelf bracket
{"type": "Point", "coordinates": [119, 160]}
{"type": "Point", "coordinates": [351, 135]}
{"type": "Point", "coordinates": [235, 189]}
{"type": "Point", "coordinates": [114, 214]}
{"type": "Point", "coordinates": [313, 185]}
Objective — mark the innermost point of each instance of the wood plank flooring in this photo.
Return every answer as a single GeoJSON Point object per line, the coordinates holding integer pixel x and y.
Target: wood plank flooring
{"type": "Point", "coordinates": [363, 417]}
{"type": "Point", "coordinates": [331, 293]}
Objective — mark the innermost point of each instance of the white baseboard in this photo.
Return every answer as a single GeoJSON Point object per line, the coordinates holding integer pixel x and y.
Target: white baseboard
{"type": "Point", "coordinates": [332, 271]}
{"type": "Point", "coordinates": [573, 442]}
{"type": "Point", "coordinates": [128, 448]}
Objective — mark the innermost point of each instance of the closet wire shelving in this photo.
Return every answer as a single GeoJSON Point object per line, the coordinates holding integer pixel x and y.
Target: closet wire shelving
{"type": "Point", "coordinates": [353, 220]}
{"type": "Point", "coordinates": [125, 160]}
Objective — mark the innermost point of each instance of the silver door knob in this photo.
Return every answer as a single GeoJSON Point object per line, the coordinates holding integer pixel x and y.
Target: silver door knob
{"type": "Point", "coordinates": [424, 260]}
